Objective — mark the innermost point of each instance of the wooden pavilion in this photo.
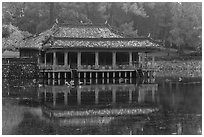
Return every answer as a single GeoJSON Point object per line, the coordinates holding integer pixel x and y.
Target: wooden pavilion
{"type": "Point", "coordinates": [89, 51]}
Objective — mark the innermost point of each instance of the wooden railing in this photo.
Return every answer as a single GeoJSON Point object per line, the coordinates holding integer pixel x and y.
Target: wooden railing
{"type": "Point", "coordinates": [99, 67]}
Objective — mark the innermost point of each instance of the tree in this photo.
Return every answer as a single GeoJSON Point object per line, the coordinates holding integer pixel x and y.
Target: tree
{"type": "Point", "coordinates": [12, 37]}
{"type": "Point", "coordinates": [186, 24]}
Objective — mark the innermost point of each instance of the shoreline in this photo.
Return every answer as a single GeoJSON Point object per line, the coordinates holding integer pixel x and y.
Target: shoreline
{"type": "Point", "coordinates": [177, 68]}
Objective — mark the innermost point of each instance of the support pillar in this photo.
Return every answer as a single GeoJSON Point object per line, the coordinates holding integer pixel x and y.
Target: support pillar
{"type": "Point", "coordinates": [54, 59]}
{"type": "Point", "coordinates": [113, 74]}
{"type": "Point", "coordinates": [53, 75]}
{"type": "Point", "coordinates": [107, 74]}
{"type": "Point", "coordinates": [130, 74]}
{"type": "Point", "coordinates": [103, 81]}
{"type": "Point", "coordinates": [65, 75]}
{"type": "Point", "coordinates": [84, 74]}
{"type": "Point", "coordinates": [58, 75]}
{"type": "Point", "coordinates": [125, 74]}
{"type": "Point", "coordinates": [65, 59]}
{"type": "Point", "coordinates": [102, 74]}
{"type": "Point", "coordinates": [143, 60]}
{"type": "Point", "coordinates": [96, 60]}
{"type": "Point", "coordinates": [53, 82]}
{"type": "Point", "coordinates": [90, 75]}
{"type": "Point", "coordinates": [96, 74]}
{"type": "Point", "coordinates": [54, 96]}
{"type": "Point", "coordinates": [79, 60]}
{"type": "Point", "coordinates": [48, 75]}
{"type": "Point", "coordinates": [140, 59]}
{"type": "Point", "coordinates": [130, 58]}
{"type": "Point", "coordinates": [119, 74]}
{"type": "Point", "coordinates": [114, 60]}
{"type": "Point", "coordinates": [108, 81]}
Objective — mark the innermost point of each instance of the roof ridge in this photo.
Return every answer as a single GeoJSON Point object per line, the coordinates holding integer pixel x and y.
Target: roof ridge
{"type": "Point", "coordinates": [112, 38]}
{"type": "Point", "coordinates": [82, 25]}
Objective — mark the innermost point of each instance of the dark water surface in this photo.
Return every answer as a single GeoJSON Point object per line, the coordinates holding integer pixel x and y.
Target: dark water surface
{"type": "Point", "coordinates": [99, 107]}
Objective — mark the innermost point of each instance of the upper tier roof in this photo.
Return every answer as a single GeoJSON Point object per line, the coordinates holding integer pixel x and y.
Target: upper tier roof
{"type": "Point", "coordinates": [85, 31]}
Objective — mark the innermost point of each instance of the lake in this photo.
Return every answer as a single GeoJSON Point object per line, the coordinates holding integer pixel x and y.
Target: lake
{"type": "Point", "coordinates": [161, 106]}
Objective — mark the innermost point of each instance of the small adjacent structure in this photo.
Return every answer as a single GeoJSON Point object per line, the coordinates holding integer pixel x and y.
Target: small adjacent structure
{"type": "Point", "coordinates": [89, 51]}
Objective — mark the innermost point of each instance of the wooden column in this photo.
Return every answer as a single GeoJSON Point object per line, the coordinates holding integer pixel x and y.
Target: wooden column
{"type": "Point", "coordinates": [114, 59]}
{"type": "Point", "coordinates": [79, 59]}
{"type": "Point", "coordinates": [48, 75]}
{"type": "Point", "coordinates": [96, 74]}
{"type": "Point", "coordinates": [58, 75]}
{"type": "Point", "coordinates": [130, 58]}
{"type": "Point", "coordinates": [65, 75]}
{"type": "Point", "coordinates": [96, 60]}
{"type": "Point", "coordinates": [53, 75]}
{"type": "Point", "coordinates": [65, 59]}
{"type": "Point", "coordinates": [140, 59]}
{"type": "Point", "coordinates": [54, 96]}
{"type": "Point", "coordinates": [90, 75]}
{"type": "Point", "coordinates": [54, 59]}
{"type": "Point", "coordinates": [143, 60]}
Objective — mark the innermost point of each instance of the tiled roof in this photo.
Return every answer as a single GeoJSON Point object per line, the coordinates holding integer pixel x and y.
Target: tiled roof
{"type": "Point", "coordinates": [38, 40]}
{"type": "Point", "coordinates": [84, 36]}
{"type": "Point", "coordinates": [100, 43]}
{"type": "Point", "coordinates": [86, 31]}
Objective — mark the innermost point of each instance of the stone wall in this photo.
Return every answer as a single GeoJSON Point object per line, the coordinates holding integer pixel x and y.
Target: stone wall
{"type": "Point", "coordinates": [19, 68]}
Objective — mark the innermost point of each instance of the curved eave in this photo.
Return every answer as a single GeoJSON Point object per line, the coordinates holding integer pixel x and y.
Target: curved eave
{"type": "Point", "coordinates": [35, 48]}
{"type": "Point", "coordinates": [146, 49]}
{"type": "Point", "coordinates": [106, 39]}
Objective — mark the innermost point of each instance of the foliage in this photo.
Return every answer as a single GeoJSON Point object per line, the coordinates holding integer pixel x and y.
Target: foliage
{"type": "Point", "coordinates": [177, 24]}
{"type": "Point", "coordinates": [12, 36]}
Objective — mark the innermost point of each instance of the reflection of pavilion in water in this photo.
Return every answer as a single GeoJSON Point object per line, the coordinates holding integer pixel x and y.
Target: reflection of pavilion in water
{"type": "Point", "coordinates": [98, 94]}
{"type": "Point", "coordinates": [97, 104]}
